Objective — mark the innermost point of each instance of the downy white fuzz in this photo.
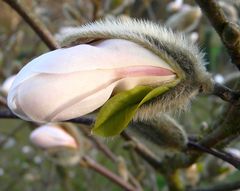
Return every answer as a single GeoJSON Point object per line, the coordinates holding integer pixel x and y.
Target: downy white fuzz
{"type": "Point", "coordinates": [161, 131]}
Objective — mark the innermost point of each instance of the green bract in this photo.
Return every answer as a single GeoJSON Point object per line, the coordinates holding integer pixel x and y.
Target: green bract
{"type": "Point", "coordinates": [118, 111]}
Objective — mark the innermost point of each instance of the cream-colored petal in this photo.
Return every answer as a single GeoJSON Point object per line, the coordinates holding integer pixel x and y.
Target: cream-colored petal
{"type": "Point", "coordinates": [96, 100]}
{"type": "Point", "coordinates": [42, 96]}
{"type": "Point", "coordinates": [107, 54]}
{"type": "Point", "coordinates": [72, 82]}
{"type": "Point", "coordinates": [59, 97]}
{"type": "Point", "coordinates": [51, 136]}
{"type": "Point", "coordinates": [85, 106]}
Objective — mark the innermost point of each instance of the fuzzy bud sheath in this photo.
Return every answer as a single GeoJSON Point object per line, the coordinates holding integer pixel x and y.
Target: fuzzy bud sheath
{"type": "Point", "coordinates": [161, 132]}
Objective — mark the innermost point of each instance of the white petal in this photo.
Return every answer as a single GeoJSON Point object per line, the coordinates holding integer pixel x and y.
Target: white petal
{"type": "Point", "coordinates": [96, 100]}
{"type": "Point", "coordinates": [50, 136]}
{"type": "Point", "coordinates": [43, 96]}
{"type": "Point", "coordinates": [107, 54]}
{"type": "Point", "coordinates": [72, 82]}
{"type": "Point", "coordinates": [71, 95]}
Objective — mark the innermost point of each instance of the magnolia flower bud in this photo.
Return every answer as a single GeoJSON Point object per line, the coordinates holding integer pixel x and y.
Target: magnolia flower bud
{"type": "Point", "coordinates": [64, 145]}
{"type": "Point", "coordinates": [102, 59]}
{"type": "Point", "coordinates": [75, 81]}
{"type": "Point", "coordinates": [50, 136]}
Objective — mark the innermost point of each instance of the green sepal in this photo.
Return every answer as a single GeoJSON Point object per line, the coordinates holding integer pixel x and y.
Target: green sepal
{"type": "Point", "coordinates": [118, 111]}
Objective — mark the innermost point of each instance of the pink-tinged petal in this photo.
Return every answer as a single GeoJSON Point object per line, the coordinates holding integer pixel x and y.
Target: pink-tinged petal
{"type": "Point", "coordinates": [107, 54]}
{"type": "Point", "coordinates": [79, 95]}
{"type": "Point", "coordinates": [96, 100]}
{"type": "Point", "coordinates": [143, 71]}
{"type": "Point", "coordinates": [40, 98]}
{"type": "Point", "coordinates": [72, 82]}
{"type": "Point", "coordinates": [51, 136]}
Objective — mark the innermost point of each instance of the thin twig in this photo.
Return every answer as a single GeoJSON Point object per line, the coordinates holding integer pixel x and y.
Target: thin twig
{"type": "Point", "coordinates": [6, 113]}
{"type": "Point", "coordinates": [108, 153]}
{"type": "Point", "coordinates": [34, 22]}
{"type": "Point", "coordinates": [141, 149]}
{"type": "Point", "coordinates": [90, 163]}
{"type": "Point", "coordinates": [226, 93]}
{"type": "Point", "coordinates": [102, 147]}
{"type": "Point", "coordinates": [228, 32]}
{"type": "Point", "coordinates": [144, 152]}
{"type": "Point", "coordinates": [222, 155]}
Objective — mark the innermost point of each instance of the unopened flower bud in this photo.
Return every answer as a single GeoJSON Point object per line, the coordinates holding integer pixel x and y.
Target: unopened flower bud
{"type": "Point", "coordinates": [106, 60]}
{"type": "Point", "coordinates": [50, 136]}
{"type": "Point", "coordinates": [63, 144]}
{"type": "Point", "coordinates": [71, 82]}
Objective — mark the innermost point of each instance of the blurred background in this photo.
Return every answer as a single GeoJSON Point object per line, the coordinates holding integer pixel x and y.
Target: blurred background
{"type": "Point", "coordinates": [25, 167]}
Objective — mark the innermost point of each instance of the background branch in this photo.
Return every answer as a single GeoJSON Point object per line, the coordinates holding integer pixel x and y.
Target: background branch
{"type": "Point", "coordinates": [222, 155]}
{"type": "Point", "coordinates": [34, 22]}
{"type": "Point", "coordinates": [226, 93]}
{"type": "Point", "coordinates": [90, 163]}
{"type": "Point", "coordinates": [144, 152]}
{"type": "Point", "coordinates": [228, 32]}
